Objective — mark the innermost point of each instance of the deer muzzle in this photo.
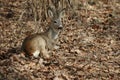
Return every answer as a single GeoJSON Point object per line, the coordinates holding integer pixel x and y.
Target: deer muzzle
{"type": "Point", "coordinates": [60, 27]}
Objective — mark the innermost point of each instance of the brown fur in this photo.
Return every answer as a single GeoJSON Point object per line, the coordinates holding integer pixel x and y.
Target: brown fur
{"type": "Point", "coordinates": [36, 44]}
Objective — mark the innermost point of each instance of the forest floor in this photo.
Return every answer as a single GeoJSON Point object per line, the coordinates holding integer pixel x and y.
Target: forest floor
{"type": "Point", "coordinates": [89, 45]}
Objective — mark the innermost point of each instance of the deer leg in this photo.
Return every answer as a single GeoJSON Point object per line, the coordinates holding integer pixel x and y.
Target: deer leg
{"type": "Point", "coordinates": [55, 45]}
{"type": "Point", "coordinates": [45, 53]}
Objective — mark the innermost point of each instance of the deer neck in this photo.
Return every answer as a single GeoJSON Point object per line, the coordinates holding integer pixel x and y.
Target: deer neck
{"type": "Point", "coordinates": [52, 34]}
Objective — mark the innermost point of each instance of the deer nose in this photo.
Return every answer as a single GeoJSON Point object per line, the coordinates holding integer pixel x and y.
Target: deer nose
{"type": "Point", "coordinates": [60, 27]}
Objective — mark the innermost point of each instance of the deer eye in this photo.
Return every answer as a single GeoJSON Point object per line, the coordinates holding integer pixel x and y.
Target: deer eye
{"type": "Point", "coordinates": [55, 21]}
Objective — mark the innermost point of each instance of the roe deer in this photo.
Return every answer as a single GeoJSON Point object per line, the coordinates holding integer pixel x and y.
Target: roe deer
{"type": "Point", "coordinates": [36, 44]}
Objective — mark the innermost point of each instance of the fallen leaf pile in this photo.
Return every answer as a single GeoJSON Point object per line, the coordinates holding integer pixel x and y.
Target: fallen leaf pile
{"type": "Point", "coordinates": [89, 45]}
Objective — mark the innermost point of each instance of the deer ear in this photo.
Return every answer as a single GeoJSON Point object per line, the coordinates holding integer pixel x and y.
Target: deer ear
{"type": "Point", "coordinates": [50, 13]}
{"type": "Point", "coordinates": [62, 12]}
